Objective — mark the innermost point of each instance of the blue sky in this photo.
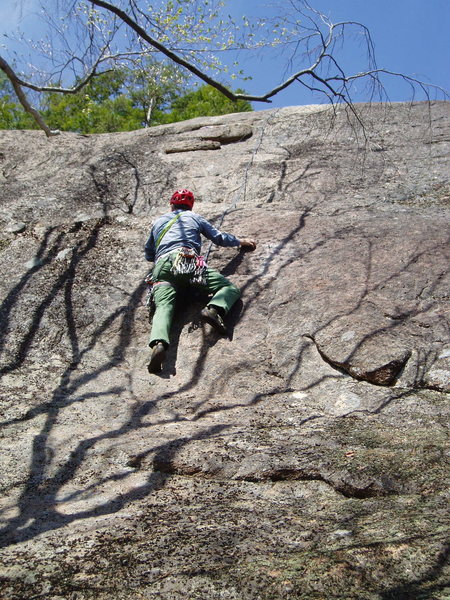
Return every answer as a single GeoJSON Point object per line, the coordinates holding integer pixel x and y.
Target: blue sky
{"type": "Point", "coordinates": [410, 36]}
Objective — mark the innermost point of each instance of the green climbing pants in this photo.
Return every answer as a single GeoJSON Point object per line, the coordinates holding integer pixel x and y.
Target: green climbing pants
{"type": "Point", "coordinates": [166, 285]}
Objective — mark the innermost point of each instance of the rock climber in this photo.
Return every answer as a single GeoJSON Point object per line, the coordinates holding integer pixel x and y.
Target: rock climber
{"type": "Point", "coordinates": [174, 246]}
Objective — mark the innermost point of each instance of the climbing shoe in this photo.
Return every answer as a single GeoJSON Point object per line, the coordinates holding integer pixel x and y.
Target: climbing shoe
{"type": "Point", "coordinates": [157, 358]}
{"type": "Point", "coordinates": [211, 316]}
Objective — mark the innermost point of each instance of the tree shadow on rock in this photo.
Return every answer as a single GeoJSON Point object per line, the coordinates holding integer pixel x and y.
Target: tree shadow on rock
{"type": "Point", "coordinates": [424, 588]}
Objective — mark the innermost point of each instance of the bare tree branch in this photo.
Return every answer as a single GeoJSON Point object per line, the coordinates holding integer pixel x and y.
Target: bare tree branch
{"type": "Point", "coordinates": [163, 49]}
{"type": "Point", "coordinates": [72, 90]}
{"type": "Point", "coordinates": [319, 39]}
{"type": "Point", "coordinates": [16, 83]}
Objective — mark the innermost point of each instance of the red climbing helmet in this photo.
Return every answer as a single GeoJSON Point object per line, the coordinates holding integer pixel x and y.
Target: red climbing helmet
{"type": "Point", "coordinates": [184, 197]}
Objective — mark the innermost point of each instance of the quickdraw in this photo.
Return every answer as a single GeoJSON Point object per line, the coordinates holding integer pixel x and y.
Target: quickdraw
{"type": "Point", "coordinates": [186, 262]}
{"type": "Point", "coordinates": [149, 301]}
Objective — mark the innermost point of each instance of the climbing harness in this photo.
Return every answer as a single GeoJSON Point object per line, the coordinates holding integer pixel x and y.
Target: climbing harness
{"type": "Point", "coordinates": [185, 261]}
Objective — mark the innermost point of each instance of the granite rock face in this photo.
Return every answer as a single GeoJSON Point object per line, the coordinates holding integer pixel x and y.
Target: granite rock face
{"type": "Point", "coordinates": [304, 457]}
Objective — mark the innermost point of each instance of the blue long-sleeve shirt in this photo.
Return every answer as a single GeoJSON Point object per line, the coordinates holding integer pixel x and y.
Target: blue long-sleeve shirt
{"type": "Point", "coordinates": [186, 231]}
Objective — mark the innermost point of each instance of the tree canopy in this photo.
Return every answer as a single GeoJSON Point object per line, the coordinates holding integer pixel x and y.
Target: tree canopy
{"type": "Point", "coordinates": [206, 101]}
{"type": "Point", "coordinates": [12, 115]}
{"type": "Point", "coordinates": [120, 100]}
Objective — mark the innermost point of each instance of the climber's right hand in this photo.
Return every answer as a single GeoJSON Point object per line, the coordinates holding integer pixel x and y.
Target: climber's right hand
{"type": "Point", "coordinates": [248, 244]}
